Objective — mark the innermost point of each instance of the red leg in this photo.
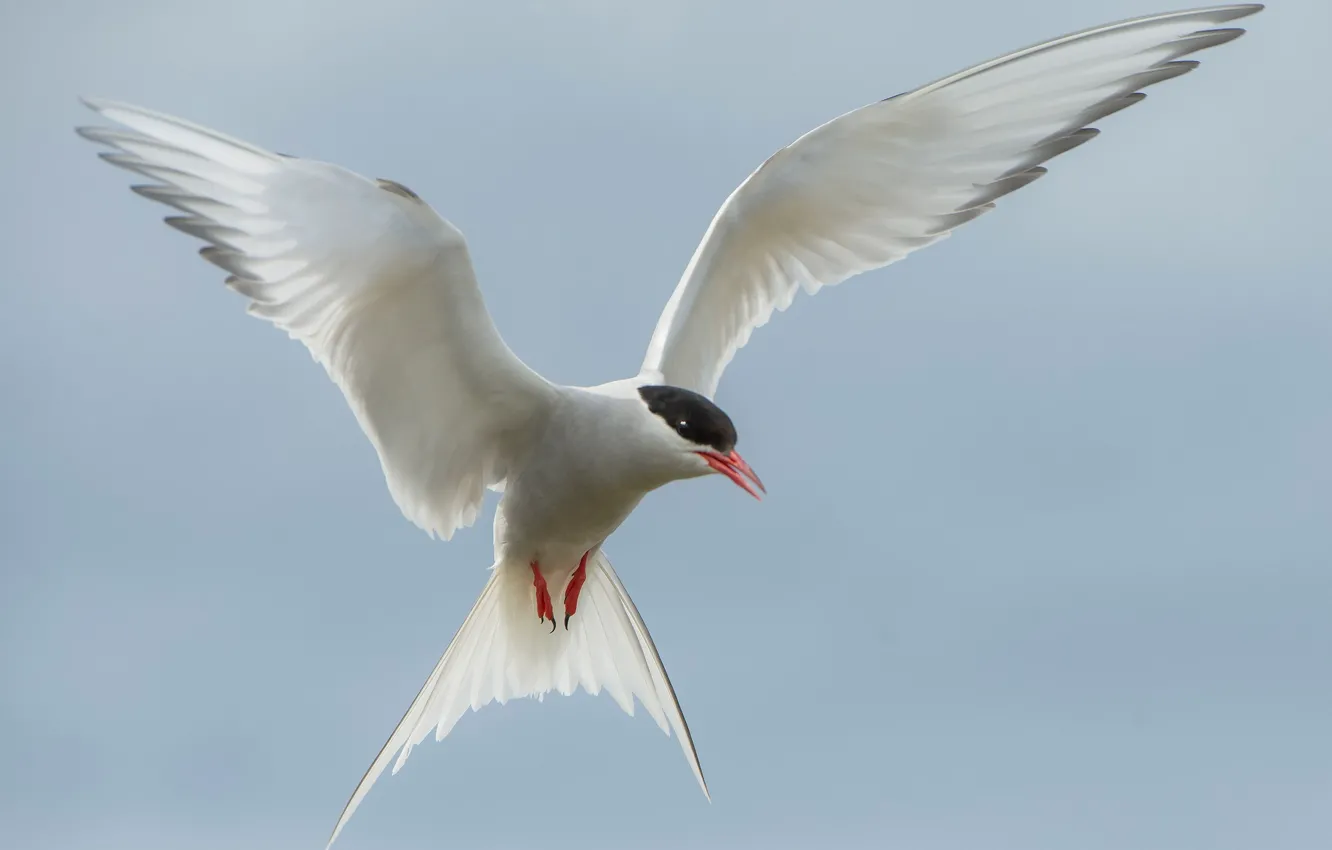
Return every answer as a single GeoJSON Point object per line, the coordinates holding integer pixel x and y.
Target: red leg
{"type": "Point", "coordinates": [575, 586]}
{"type": "Point", "coordinates": [543, 606]}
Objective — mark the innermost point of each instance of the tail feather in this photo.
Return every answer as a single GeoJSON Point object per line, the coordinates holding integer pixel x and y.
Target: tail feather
{"type": "Point", "coordinates": [501, 652]}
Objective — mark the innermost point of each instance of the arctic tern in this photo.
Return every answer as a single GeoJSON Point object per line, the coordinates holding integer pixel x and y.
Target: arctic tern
{"type": "Point", "coordinates": [381, 291]}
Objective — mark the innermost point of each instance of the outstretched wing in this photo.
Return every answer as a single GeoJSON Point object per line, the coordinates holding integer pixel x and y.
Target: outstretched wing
{"type": "Point", "coordinates": [377, 286]}
{"type": "Point", "coordinates": [870, 187]}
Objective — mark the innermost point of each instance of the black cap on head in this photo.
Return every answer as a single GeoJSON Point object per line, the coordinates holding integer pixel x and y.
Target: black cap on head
{"type": "Point", "coordinates": [691, 416]}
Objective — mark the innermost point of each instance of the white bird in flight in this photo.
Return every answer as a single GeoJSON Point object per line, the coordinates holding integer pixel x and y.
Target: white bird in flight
{"type": "Point", "coordinates": [381, 291]}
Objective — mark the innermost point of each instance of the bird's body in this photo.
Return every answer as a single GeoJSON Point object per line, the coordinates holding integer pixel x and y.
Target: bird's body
{"type": "Point", "coordinates": [381, 291]}
{"type": "Point", "coordinates": [582, 478]}
{"type": "Point", "coordinates": [568, 493]}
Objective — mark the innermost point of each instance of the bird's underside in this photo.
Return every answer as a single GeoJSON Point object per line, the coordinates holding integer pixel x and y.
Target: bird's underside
{"type": "Point", "coordinates": [381, 291]}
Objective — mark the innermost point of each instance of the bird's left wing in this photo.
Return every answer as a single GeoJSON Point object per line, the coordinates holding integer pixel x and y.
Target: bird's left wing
{"type": "Point", "coordinates": [377, 286]}
{"type": "Point", "coordinates": [870, 187]}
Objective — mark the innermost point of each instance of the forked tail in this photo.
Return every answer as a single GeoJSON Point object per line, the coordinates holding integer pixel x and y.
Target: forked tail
{"type": "Point", "coordinates": [501, 652]}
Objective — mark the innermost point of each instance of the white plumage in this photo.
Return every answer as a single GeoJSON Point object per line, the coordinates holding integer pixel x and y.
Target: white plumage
{"type": "Point", "coordinates": [381, 291]}
{"type": "Point", "coordinates": [873, 185]}
{"type": "Point", "coordinates": [376, 285]}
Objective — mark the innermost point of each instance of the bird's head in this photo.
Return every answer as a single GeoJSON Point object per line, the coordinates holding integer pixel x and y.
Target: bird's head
{"type": "Point", "coordinates": [700, 435]}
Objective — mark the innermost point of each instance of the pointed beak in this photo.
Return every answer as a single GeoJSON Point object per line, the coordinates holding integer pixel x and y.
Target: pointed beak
{"type": "Point", "coordinates": [734, 467]}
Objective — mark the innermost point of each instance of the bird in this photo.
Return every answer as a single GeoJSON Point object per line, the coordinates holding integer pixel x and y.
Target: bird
{"type": "Point", "coordinates": [380, 288]}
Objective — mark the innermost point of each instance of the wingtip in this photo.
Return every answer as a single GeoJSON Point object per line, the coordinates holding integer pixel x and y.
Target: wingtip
{"type": "Point", "coordinates": [104, 105]}
{"type": "Point", "coordinates": [1242, 10]}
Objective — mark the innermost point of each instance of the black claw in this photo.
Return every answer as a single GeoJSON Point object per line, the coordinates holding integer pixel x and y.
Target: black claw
{"type": "Point", "coordinates": [552, 625]}
{"type": "Point", "coordinates": [566, 621]}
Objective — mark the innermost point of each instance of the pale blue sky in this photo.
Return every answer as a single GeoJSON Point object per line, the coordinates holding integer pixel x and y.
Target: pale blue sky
{"type": "Point", "coordinates": [1047, 559]}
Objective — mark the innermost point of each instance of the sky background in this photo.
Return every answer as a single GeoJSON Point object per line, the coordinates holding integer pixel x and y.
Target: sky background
{"type": "Point", "coordinates": [1047, 559]}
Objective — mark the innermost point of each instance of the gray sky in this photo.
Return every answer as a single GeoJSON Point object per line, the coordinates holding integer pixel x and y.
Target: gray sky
{"type": "Point", "coordinates": [1045, 564]}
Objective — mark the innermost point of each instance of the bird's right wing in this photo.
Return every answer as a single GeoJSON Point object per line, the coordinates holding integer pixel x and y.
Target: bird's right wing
{"type": "Point", "coordinates": [868, 188]}
{"type": "Point", "coordinates": [377, 286]}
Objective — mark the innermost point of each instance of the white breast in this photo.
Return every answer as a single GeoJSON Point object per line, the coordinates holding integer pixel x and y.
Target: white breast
{"type": "Point", "coordinates": [588, 471]}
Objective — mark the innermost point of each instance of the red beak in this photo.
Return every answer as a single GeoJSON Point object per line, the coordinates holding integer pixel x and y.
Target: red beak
{"type": "Point", "coordinates": [734, 467]}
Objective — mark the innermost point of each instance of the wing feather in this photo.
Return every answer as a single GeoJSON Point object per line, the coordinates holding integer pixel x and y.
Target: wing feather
{"type": "Point", "coordinates": [376, 285]}
{"type": "Point", "coordinates": [866, 189]}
